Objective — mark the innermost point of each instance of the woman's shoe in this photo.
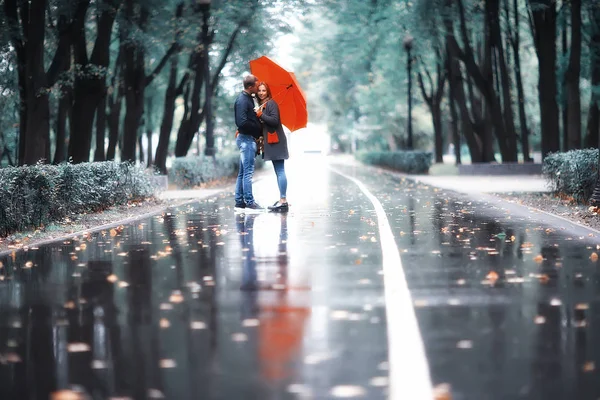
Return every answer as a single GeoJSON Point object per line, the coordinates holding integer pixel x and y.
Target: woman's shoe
{"type": "Point", "coordinates": [279, 207]}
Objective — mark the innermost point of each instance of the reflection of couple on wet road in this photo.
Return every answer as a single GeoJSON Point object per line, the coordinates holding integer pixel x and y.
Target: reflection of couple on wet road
{"type": "Point", "coordinates": [255, 123]}
{"type": "Point", "coordinates": [266, 298]}
{"type": "Point", "coordinates": [245, 229]}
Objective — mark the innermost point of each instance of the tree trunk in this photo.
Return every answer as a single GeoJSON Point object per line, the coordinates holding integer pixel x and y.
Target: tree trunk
{"type": "Point", "coordinates": [433, 101]}
{"type": "Point", "coordinates": [593, 122]}
{"type": "Point", "coordinates": [543, 22]}
{"type": "Point", "coordinates": [38, 108]}
{"type": "Point", "coordinates": [149, 129]}
{"type": "Point", "coordinates": [136, 80]}
{"type": "Point", "coordinates": [114, 121]}
{"type": "Point", "coordinates": [166, 126]}
{"type": "Point", "coordinates": [134, 85]}
{"type": "Point", "coordinates": [516, 41]}
{"type": "Point", "coordinates": [436, 114]}
{"type": "Point", "coordinates": [188, 128]}
{"type": "Point", "coordinates": [563, 91]}
{"type": "Point", "coordinates": [572, 79]}
{"type": "Point", "coordinates": [162, 148]}
{"type": "Point", "coordinates": [455, 132]}
{"type": "Point", "coordinates": [64, 106]}
{"type": "Point", "coordinates": [140, 147]}
{"type": "Point", "coordinates": [27, 22]}
{"type": "Point", "coordinates": [64, 113]}
{"type": "Point", "coordinates": [498, 46]}
{"type": "Point", "coordinates": [99, 154]}
{"type": "Point", "coordinates": [115, 95]}
{"type": "Point", "coordinates": [181, 145]}
{"type": "Point", "coordinates": [90, 86]}
{"type": "Point", "coordinates": [458, 97]}
{"type": "Point", "coordinates": [149, 143]}
{"type": "Point", "coordinates": [485, 86]}
{"type": "Point", "coordinates": [484, 121]}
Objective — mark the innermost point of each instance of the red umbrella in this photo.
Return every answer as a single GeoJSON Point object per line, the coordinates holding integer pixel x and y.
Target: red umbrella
{"type": "Point", "coordinates": [285, 90]}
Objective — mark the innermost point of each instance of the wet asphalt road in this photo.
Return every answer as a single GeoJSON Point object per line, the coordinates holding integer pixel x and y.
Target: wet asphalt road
{"type": "Point", "coordinates": [200, 302]}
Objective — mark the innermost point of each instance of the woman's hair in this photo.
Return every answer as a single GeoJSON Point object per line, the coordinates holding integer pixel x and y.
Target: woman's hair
{"type": "Point", "coordinates": [269, 96]}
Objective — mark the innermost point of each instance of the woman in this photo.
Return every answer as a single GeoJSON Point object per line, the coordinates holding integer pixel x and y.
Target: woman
{"type": "Point", "coordinates": [275, 142]}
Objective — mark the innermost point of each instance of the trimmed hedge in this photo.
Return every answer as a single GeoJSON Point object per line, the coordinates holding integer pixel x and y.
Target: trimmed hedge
{"type": "Point", "coordinates": [33, 196]}
{"type": "Point", "coordinates": [410, 162]}
{"type": "Point", "coordinates": [573, 173]}
{"type": "Point", "coordinates": [192, 171]}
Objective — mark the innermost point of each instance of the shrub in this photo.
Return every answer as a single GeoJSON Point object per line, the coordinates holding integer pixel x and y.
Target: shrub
{"type": "Point", "coordinates": [192, 171]}
{"type": "Point", "coordinates": [33, 196]}
{"type": "Point", "coordinates": [573, 173]}
{"type": "Point", "coordinates": [411, 162]}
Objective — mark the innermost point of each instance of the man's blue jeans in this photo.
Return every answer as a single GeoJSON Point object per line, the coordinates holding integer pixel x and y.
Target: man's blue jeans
{"type": "Point", "coordinates": [243, 185]}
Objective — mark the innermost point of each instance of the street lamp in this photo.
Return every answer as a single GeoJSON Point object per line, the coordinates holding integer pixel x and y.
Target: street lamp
{"type": "Point", "coordinates": [408, 42]}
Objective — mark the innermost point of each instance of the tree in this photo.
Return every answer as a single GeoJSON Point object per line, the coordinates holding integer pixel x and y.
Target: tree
{"type": "Point", "coordinates": [135, 77]}
{"type": "Point", "coordinates": [542, 17]}
{"type": "Point", "coordinates": [89, 87]}
{"type": "Point", "coordinates": [26, 21]}
{"type": "Point", "coordinates": [593, 121]}
{"type": "Point", "coordinates": [572, 79]}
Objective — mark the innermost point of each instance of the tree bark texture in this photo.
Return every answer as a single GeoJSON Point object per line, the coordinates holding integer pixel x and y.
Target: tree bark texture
{"type": "Point", "coordinates": [162, 148]}
{"type": "Point", "coordinates": [543, 22]}
{"type": "Point", "coordinates": [593, 121]}
{"type": "Point", "coordinates": [493, 8]}
{"type": "Point", "coordinates": [114, 96]}
{"type": "Point", "coordinates": [433, 99]}
{"type": "Point", "coordinates": [99, 153]}
{"type": "Point", "coordinates": [90, 81]}
{"type": "Point", "coordinates": [572, 78]}
{"type": "Point", "coordinates": [515, 41]}
{"type": "Point", "coordinates": [564, 38]}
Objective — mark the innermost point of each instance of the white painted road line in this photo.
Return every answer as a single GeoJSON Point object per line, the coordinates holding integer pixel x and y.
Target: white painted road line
{"type": "Point", "coordinates": [409, 371]}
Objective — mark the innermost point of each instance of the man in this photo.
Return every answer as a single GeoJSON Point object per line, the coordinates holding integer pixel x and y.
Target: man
{"type": "Point", "coordinates": [249, 129]}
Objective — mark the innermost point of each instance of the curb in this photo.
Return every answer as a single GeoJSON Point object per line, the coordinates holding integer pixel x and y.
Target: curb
{"type": "Point", "coordinates": [195, 195]}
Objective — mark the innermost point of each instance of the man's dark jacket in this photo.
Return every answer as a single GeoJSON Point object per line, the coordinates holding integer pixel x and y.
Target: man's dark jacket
{"type": "Point", "coordinates": [245, 118]}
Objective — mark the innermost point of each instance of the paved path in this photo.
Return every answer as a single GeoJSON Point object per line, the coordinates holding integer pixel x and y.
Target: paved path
{"type": "Point", "coordinates": [372, 286]}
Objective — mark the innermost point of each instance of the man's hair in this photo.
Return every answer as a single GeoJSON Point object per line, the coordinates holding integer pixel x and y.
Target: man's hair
{"type": "Point", "coordinates": [249, 81]}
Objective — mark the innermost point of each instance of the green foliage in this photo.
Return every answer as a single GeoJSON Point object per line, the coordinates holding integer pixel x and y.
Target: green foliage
{"type": "Point", "coordinates": [33, 196]}
{"type": "Point", "coordinates": [192, 171]}
{"type": "Point", "coordinates": [410, 162]}
{"type": "Point", "coordinates": [573, 173]}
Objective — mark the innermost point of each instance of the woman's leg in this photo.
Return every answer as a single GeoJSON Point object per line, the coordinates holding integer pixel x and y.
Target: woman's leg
{"type": "Point", "coordinates": [278, 165]}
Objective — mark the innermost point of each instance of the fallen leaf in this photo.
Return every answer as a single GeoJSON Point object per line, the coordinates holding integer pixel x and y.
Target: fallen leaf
{"type": "Point", "coordinates": [78, 347]}
{"type": "Point", "coordinates": [66, 395]}
{"type": "Point", "coordinates": [164, 323]}
{"type": "Point", "coordinates": [167, 363]}
{"type": "Point", "coordinates": [492, 276]}
{"type": "Point", "coordinates": [176, 297]}
{"type": "Point", "coordinates": [442, 392]}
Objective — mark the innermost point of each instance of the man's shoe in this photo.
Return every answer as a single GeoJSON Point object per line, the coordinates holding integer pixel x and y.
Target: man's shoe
{"type": "Point", "coordinates": [240, 205]}
{"type": "Point", "coordinates": [254, 206]}
{"type": "Point", "coordinates": [279, 207]}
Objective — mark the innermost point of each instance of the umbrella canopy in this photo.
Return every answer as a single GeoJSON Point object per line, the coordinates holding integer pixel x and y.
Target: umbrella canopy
{"type": "Point", "coordinates": [285, 90]}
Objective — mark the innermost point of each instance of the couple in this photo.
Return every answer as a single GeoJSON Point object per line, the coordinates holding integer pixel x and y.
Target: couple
{"type": "Point", "coordinates": [256, 123]}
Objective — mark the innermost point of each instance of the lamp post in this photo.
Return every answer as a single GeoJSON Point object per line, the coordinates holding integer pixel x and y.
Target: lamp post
{"type": "Point", "coordinates": [408, 42]}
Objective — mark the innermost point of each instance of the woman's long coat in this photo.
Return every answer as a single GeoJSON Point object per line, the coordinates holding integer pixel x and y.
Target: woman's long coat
{"type": "Point", "coordinates": [271, 121]}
